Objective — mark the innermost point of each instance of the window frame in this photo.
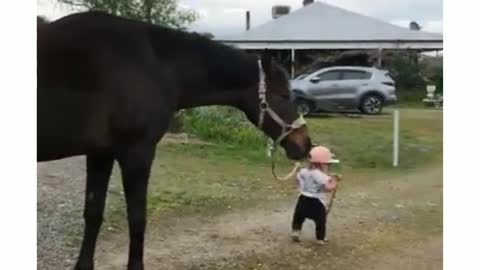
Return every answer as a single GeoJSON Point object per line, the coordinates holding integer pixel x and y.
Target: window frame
{"type": "Point", "coordinates": [368, 73]}
{"type": "Point", "coordinates": [318, 75]}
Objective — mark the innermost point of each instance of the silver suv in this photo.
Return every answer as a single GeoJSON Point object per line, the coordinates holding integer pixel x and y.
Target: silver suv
{"type": "Point", "coordinates": [344, 88]}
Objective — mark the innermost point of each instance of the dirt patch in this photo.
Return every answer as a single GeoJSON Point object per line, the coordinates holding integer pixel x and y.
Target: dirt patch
{"type": "Point", "coordinates": [381, 218]}
{"type": "Point", "coordinates": [363, 220]}
{"type": "Point", "coordinates": [196, 242]}
{"type": "Point", "coordinates": [426, 255]}
{"type": "Point", "coordinates": [373, 226]}
{"type": "Point", "coordinates": [60, 191]}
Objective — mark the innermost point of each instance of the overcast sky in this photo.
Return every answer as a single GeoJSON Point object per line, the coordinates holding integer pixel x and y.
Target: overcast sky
{"type": "Point", "coordinates": [222, 17]}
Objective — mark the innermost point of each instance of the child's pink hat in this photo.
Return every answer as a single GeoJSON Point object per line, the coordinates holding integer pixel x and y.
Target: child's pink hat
{"type": "Point", "coordinates": [321, 154]}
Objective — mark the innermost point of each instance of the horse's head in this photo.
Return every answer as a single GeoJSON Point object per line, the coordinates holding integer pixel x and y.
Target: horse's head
{"type": "Point", "coordinates": [272, 110]}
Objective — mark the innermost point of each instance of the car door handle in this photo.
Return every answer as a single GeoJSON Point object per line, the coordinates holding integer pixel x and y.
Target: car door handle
{"type": "Point", "coordinates": [335, 84]}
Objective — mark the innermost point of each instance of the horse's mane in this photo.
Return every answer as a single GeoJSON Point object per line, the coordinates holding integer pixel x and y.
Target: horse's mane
{"type": "Point", "coordinates": [228, 65]}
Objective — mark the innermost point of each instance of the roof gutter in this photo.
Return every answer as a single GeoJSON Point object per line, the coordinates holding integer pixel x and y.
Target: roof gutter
{"type": "Point", "coordinates": [331, 45]}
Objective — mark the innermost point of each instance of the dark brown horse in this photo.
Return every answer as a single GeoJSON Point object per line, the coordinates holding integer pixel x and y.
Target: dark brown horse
{"type": "Point", "coordinates": [108, 88]}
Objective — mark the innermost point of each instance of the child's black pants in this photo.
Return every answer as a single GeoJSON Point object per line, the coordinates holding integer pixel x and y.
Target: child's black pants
{"type": "Point", "coordinates": [311, 208]}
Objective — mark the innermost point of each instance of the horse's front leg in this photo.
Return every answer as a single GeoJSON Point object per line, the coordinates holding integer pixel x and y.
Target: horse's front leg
{"type": "Point", "coordinates": [99, 168]}
{"type": "Point", "coordinates": [135, 163]}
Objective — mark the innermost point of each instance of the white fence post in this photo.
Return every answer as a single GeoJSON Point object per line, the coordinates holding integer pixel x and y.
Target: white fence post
{"type": "Point", "coordinates": [396, 120]}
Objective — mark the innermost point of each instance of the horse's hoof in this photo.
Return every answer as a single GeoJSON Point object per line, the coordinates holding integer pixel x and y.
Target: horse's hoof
{"type": "Point", "coordinates": [80, 266]}
{"type": "Point", "coordinates": [135, 266]}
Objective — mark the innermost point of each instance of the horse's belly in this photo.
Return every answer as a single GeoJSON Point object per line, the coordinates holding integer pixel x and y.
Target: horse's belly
{"type": "Point", "coordinates": [68, 124]}
{"type": "Point", "coordinates": [47, 151]}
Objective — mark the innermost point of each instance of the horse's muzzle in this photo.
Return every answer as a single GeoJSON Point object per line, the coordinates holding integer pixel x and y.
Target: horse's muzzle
{"type": "Point", "coordinates": [297, 151]}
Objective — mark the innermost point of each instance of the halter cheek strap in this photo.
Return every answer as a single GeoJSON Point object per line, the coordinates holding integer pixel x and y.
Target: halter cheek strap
{"type": "Point", "coordinates": [265, 109]}
{"type": "Point", "coordinates": [286, 128]}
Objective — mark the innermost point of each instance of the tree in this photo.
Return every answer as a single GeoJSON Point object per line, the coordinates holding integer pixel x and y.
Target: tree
{"type": "Point", "coordinates": [161, 12]}
{"type": "Point", "coordinates": [208, 35]}
{"type": "Point", "coordinates": [407, 71]}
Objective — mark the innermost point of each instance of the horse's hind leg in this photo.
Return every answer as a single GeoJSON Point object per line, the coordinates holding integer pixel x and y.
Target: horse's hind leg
{"type": "Point", "coordinates": [99, 168]}
{"type": "Point", "coordinates": [135, 163]}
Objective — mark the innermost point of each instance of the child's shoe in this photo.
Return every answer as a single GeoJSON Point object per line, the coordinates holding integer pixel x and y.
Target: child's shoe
{"type": "Point", "coordinates": [295, 236]}
{"type": "Point", "coordinates": [321, 242]}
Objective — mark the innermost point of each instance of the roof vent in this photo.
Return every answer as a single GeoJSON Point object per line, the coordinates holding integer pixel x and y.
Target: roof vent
{"type": "Point", "coordinates": [307, 2]}
{"type": "Point", "coordinates": [415, 26]}
{"type": "Point", "coordinates": [280, 10]}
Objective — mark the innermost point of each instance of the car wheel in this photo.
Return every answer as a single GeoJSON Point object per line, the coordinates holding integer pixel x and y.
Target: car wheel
{"type": "Point", "coordinates": [371, 104]}
{"type": "Point", "coordinates": [303, 107]}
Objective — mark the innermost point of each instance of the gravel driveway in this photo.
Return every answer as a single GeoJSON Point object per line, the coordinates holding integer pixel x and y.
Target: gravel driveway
{"type": "Point", "coordinates": [60, 191]}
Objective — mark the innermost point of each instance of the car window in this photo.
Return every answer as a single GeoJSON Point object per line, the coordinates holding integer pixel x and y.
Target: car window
{"type": "Point", "coordinates": [356, 75]}
{"type": "Point", "coordinates": [329, 76]}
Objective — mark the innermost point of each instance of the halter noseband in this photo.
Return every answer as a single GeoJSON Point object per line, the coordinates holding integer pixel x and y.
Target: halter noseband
{"type": "Point", "coordinates": [265, 108]}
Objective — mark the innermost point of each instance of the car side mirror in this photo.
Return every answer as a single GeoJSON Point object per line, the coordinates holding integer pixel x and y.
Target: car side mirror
{"type": "Point", "coordinates": [315, 80]}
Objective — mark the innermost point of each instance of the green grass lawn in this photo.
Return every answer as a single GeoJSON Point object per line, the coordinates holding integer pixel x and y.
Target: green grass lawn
{"type": "Point", "coordinates": [193, 178]}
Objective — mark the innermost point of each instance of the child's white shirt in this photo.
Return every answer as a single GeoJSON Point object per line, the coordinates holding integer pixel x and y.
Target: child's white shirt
{"type": "Point", "coordinates": [311, 183]}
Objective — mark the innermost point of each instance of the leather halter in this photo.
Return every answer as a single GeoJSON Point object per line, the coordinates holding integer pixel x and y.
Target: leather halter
{"type": "Point", "coordinates": [265, 108]}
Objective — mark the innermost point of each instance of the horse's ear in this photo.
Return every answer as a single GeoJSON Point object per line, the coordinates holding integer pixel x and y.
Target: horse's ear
{"type": "Point", "coordinates": [267, 60]}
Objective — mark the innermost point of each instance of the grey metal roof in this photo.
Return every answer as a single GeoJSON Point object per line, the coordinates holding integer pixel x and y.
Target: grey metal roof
{"type": "Point", "coordinates": [320, 22]}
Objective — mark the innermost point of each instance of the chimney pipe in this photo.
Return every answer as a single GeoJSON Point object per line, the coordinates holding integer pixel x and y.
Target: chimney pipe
{"type": "Point", "coordinates": [279, 11]}
{"type": "Point", "coordinates": [247, 20]}
{"type": "Point", "coordinates": [414, 26]}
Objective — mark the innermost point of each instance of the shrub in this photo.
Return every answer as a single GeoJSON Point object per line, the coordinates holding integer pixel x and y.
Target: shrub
{"type": "Point", "coordinates": [222, 125]}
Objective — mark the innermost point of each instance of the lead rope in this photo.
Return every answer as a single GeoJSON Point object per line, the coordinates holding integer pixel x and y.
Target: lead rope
{"type": "Point", "coordinates": [286, 128]}
{"type": "Point", "coordinates": [332, 198]}
{"type": "Point", "coordinates": [273, 149]}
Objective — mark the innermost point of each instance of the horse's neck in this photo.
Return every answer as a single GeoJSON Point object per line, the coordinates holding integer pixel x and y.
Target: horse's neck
{"type": "Point", "coordinates": [220, 73]}
{"type": "Point", "coordinates": [227, 84]}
